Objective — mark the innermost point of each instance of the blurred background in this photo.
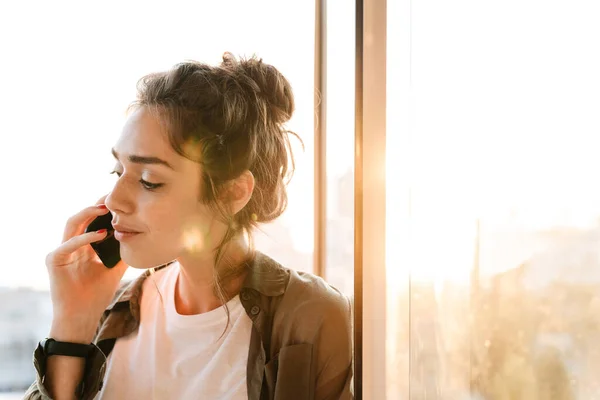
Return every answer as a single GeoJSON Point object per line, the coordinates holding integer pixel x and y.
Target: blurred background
{"type": "Point", "coordinates": [491, 282]}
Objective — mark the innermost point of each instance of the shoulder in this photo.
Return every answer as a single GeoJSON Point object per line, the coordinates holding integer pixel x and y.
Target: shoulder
{"type": "Point", "coordinates": [312, 311]}
{"type": "Point", "coordinates": [298, 295]}
{"type": "Point", "coordinates": [308, 293]}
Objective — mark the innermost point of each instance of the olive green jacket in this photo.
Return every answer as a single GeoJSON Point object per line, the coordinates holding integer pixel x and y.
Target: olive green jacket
{"type": "Point", "coordinates": [300, 345]}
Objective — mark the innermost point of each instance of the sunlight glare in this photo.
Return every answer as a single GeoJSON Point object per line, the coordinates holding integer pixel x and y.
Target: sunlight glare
{"type": "Point", "coordinates": [193, 240]}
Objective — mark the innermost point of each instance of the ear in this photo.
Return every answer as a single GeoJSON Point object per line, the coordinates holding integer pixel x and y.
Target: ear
{"type": "Point", "coordinates": [239, 191]}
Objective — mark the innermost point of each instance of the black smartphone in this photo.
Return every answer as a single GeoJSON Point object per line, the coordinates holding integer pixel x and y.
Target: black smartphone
{"type": "Point", "coordinates": [108, 249]}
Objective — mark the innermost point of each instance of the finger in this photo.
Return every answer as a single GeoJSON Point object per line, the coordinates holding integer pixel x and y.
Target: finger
{"type": "Point", "coordinates": [77, 223]}
{"type": "Point", "coordinates": [75, 243]}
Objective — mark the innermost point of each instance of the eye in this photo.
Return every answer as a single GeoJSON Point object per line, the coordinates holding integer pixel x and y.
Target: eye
{"type": "Point", "coordinates": [147, 185]}
{"type": "Point", "coordinates": [150, 185]}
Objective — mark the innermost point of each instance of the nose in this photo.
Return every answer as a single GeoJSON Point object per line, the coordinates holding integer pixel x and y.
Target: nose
{"type": "Point", "coordinates": [120, 199]}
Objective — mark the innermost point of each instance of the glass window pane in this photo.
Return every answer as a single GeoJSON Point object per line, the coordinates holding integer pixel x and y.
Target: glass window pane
{"type": "Point", "coordinates": [340, 144]}
{"type": "Point", "coordinates": [503, 225]}
{"type": "Point", "coordinates": [70, 69]}
{"type": "Point", "coordinates": [398, 205]}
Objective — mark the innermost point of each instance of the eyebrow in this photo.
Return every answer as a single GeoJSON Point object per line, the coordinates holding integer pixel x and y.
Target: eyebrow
{"type": "Point", "coordinates": [143, 159]}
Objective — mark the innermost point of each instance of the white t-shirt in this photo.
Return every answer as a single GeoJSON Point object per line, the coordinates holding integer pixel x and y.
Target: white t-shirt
{"type": "Point", "coordinates": [174, 356]}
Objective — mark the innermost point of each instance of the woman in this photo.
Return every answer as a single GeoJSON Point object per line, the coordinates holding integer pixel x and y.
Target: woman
{"type": "Point", "coordinates": [201, 161]}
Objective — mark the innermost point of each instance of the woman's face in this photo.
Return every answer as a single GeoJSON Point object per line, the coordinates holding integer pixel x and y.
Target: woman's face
{"type": "Point", "coordinates": [155, 203]}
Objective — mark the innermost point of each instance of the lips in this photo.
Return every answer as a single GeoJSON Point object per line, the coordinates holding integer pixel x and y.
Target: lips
{"type": "Point", "coordinates": [121, 236]}
{"type": "Point", "coordinates": [124, 232]}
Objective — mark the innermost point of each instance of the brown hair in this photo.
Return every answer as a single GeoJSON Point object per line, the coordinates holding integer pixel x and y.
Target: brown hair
{"type": "Point", "coordinates": [229, 118]}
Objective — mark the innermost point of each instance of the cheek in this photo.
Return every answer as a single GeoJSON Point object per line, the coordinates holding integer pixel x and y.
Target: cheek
{"type": "Point", "coordinates": [181, 226]}
{"type": "Point", "coordinates": [176, 224]}
{"type": "Point", "coordinates": [165, 212]}
{"type": "Point", "coordinates": [167, 225]}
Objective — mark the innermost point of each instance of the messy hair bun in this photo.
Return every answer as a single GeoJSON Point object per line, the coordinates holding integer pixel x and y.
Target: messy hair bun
{"type": "Point", "coordinates": [266, 83]}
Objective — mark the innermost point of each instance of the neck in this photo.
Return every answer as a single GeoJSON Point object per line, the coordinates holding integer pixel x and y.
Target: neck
{"type": "Point", "coordinates": [196, 290]}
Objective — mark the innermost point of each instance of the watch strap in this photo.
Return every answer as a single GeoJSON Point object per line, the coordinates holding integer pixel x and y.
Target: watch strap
{"type": "Point", "coordinates": [53, 347]}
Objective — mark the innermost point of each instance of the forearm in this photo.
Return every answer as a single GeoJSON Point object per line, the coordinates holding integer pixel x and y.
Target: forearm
{"type": "Point", "coordinates": [64, 373]}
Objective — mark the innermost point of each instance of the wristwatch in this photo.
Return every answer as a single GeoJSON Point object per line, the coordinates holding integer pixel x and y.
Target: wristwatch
{"type": "Point", "coordinates": [52, 347]}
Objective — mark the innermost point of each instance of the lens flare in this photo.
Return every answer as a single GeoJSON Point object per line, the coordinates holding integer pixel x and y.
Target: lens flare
{"type": "Point", "coordinates": [193, 240]}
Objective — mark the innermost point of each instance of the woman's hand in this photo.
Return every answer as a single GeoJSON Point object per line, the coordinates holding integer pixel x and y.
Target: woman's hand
{"type": "Point", "coordinates": [81, 287]}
